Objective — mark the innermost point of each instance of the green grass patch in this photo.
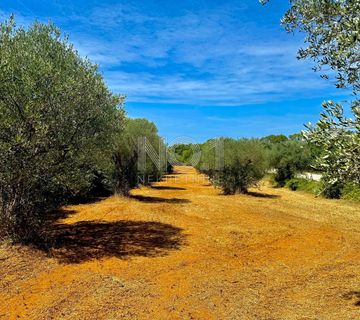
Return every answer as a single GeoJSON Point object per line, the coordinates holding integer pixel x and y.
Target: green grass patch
{"type": "Point", "coordinates": [351, 191]}
{"type": "Point", "coordinates": [305, 185]}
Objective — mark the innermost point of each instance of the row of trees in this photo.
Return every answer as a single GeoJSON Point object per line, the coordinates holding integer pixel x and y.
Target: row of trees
{"type": "Point", "coordinates": [63, 134]}
{"type": "Point", "coordinates": [332, 146]}
{"type": "Point", "coordinates": [182, 153]}
{"type": "Point", "coordinates": [235, 165]}
{"type": "Point", "coordinates": [126, 156]}
{"type": "Point", "coordinates": [289, 156]}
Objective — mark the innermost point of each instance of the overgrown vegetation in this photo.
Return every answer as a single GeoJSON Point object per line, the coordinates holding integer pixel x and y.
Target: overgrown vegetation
{"type": "Point", "coordinates": [351, 191]}
{"type": "Point", "coordinates": [306, 185]}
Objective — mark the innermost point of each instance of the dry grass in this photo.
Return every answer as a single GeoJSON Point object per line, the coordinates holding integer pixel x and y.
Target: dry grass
{"type": "Point", "coordinates": [182, 251]}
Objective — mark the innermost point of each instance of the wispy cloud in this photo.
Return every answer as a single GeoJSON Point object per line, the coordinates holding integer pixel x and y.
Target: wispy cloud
{"type": "Point", "coordinates": [206, 56]}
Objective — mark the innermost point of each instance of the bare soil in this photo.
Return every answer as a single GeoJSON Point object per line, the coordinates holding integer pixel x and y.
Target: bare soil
{"type": "Point", "coordinates": [181, 250]}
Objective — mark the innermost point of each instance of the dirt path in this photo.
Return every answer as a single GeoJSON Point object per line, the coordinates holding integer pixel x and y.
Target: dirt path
{"type": "Point", "coordinates": [182, 251]}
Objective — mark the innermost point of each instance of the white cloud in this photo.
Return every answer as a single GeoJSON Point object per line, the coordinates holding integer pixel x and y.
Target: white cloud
{"type": "Point", "coordinates": [205, 57]}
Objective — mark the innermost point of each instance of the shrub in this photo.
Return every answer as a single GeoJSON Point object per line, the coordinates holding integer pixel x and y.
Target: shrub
{"type": "Point", "coordinates": [58, 122]}
{"type": "Point", "coordinates": [351, 191]}
{"type": "Point", "coordinates": [331, 190]}
{"type": "Point", "coordinates": [293, 184]}
{"type": "Point", "coordinates": [288, 158]}
{"type": "Point", "coordinates": [184, 154]}
{"type": "Point", "coordinates": [310, 186]}
{"type": "Point", "coordinates": [283, 173]}
{"type": "Point", "coordinates": [244, 164]}
{"type": "Point", "coordinates": [169, 168]}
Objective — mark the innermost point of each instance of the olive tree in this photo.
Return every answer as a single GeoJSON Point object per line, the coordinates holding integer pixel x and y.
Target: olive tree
{"type": "Point", "coordinates": [332, 29]}
{"type": "Point", "coordinates": [339, 138]}
{"type": "Point", "coordinates": [58, 121]}
{"type": "Point", "coordinates": [128, 173]}
{"type": "Point", "coordinates": [288, 158]}
{"type": "Point", "coordinates": [244, 166]}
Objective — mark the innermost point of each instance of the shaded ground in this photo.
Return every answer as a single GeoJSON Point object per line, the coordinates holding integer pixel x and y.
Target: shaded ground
{"type": "Point", "coordinates": [88, 240]}
{"type": "Point", "coordinates": [180, 250]}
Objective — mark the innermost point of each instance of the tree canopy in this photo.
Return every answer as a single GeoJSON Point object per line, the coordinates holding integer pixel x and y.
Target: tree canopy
{"type": "Point", "coordinates": [58, 121]}
{"type": "Point", "coordinates": [332, 29]}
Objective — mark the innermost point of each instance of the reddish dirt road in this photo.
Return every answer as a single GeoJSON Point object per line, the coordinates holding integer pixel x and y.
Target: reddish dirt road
{"type": "Point", "coordinates": [181, 250]}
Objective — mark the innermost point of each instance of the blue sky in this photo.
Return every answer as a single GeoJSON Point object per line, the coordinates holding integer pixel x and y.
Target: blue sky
{"type": "Point", "coordinates": [198, 69]}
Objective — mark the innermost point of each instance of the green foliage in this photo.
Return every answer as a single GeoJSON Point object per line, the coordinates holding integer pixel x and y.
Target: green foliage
{"type": "Point", "coordinates": [274, 139]}
{"type": "Point", "coordinates": [310, 186]}
{"type": "Point", "coordinates": [351, 191]}
{"type": "Point", "coordinates": [183, 153]}
{"type": "Point", "coordinates": [332, 30]}
{"type": "Point", "coordinates": [339, 139]}
{"type": "Point", "coordinates": [169, 168]}
{"type": "Point", "coordinates": [127, 174]}
{"type": "Point", "coordinates": [57, 125]}
{"type": "Point", "coordinates": [331, 190]}
{"type": "Point", "coordinates": [288, 158]}
{"type": "Point", "coordinates": [244, 164]}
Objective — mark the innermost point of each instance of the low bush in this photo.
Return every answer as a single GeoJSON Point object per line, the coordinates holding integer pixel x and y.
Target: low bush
{"type": "Point", "coordinates": [331, 190]}
{"type": "Point", "coordinates": [310, 186]}
{"type": "Point", "coordinates": [351, 191]}
{"type": "Point", "coordinates": [288, 157]}
{"type": "Point", "coordinates": [244, 164]}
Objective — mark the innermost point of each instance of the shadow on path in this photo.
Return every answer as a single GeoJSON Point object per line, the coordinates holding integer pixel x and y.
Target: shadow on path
{"type": "Point", "coordinates": [167, 188]}
{"type": "Point", "coordinates": [89, 240]}
{"type": "Point", "coordinates": [262, 195]}
{"type": "Point", "coordinates": [150, 199]}
{"type": "Point", "coordinates": [353, 294]}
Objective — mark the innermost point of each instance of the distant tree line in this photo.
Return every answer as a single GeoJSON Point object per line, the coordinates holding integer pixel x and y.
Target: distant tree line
{"type": "Point", "coordinates": [182, 153]}
{"type": "Point", "coordinates": [246, 161]}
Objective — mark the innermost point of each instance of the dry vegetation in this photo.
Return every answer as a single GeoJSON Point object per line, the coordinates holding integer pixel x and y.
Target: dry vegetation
{"type": "Point", "coordinates": [180, 250]}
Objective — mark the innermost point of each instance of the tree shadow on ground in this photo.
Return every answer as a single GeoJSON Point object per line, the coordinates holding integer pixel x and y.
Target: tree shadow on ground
{"type": "Point", "coordinates": [89, 240]}
{"type": "Point", "coordinates": [86, 200]}
{"type": "Point", "coordinates": [353, 295]}
{"type": "Point", "coordinates": [172, 176]}
{"type": "Point", "coordinates": [150, 199]}
{"type": "Point", "coordinates": [53, 216]}
{"type": "Point", "coordinates": [262, 195]}
{"type": "Point", "coordinates": [167, 188]}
